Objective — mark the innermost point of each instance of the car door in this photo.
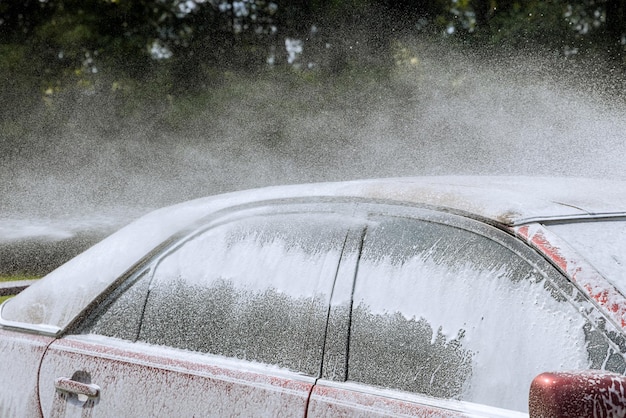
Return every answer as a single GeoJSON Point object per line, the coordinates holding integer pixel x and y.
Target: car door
{"type": "Point", "coordinates": [454, 317]}
{"type": "Point", "coordinates": [228, 321]}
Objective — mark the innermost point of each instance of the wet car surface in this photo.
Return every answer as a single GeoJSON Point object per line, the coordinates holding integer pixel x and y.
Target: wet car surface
{"type": "Point", "coordinates": [402, 297]}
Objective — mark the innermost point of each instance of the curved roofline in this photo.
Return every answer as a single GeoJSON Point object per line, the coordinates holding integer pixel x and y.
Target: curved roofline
{"type": "Point", "coordinates": [504, 200]}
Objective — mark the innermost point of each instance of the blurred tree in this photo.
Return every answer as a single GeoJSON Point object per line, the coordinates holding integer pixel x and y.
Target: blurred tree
{"type": "Point", "coordinates": [567, 25]}
{"type": "Point", "coordinates": [186, 38]}
{"type": "Point", "coordinates": [17, 19]}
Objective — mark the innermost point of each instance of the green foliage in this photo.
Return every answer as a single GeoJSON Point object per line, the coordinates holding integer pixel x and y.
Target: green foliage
{"type": "Point", "coordinates": [11, 57]}
{"type": "Point", "coordinates": [338, 8]}
{"type": "Point", "coordinates": [14, 278]}
{"type": "Point", "coordinates": [61, 44]}
{"type": "Point", "coordinates": [520, 23]}
{"type": "Point", "coordinates": [561, 25]}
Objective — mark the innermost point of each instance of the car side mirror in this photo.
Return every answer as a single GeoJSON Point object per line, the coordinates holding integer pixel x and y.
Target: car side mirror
{"type": "Point", "coordinates": [589, 393]}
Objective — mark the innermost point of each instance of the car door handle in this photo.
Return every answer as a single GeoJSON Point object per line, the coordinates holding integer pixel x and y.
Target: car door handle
{"type": "Point", "coordinates": [67, 385]}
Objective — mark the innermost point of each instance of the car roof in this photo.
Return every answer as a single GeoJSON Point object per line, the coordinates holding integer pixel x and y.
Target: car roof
{"type": "Point", "coordinates": [508, 201]}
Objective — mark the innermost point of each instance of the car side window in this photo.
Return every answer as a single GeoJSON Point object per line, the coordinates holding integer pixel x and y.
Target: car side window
{"type": "Point", "coordinates": [120, 314]}
{"type": "Point", "coordinates": [256, 289]}
{"type": "Point", "coordinates": [448, 312]}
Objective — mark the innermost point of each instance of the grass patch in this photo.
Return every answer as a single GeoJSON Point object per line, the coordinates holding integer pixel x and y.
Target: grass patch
{"type": "Point", "coordinates": [12, 278]}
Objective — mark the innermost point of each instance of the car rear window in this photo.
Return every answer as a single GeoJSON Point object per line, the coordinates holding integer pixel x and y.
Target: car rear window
{"type": "Point", "coordinates": [451, 313]}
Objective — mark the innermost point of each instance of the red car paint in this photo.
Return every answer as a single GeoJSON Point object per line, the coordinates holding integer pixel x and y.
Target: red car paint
{"type": "Point", "coordinates": [579, 271]}
{"type": "Point", "coordinates": [592, 393]}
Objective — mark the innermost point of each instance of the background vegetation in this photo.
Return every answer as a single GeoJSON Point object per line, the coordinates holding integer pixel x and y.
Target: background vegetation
{"type": "Point", "coordinates": [179, 55]}
{"type": "Point", "coordinates": [182, 46]}
{"type": "Point", "coordinates": [11, 278]}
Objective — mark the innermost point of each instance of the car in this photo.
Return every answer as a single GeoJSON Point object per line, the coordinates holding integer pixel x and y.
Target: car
{"type": "Point", "coordinates": [426, 296]}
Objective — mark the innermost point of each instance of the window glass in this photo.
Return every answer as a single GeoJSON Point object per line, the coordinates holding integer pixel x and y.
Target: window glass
{"type": "Point", "coordinates": [120, 315]}
{"type": "Point", "coordinates": [446, 312]}
{"type": "Point", "coordinates": [256, 289]}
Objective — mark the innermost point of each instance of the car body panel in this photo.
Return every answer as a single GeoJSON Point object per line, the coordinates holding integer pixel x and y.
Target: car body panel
{"type": "Point", "coordinates": [332, 399]}
{"type": "Point", "coordinates": [577, 269]}
{"type": "Point", "coordinates": [137, 379]}
{"type": "Point", "coordinates": [21, 354]}
{"type": "Point", "coordinates": [602, 243]}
